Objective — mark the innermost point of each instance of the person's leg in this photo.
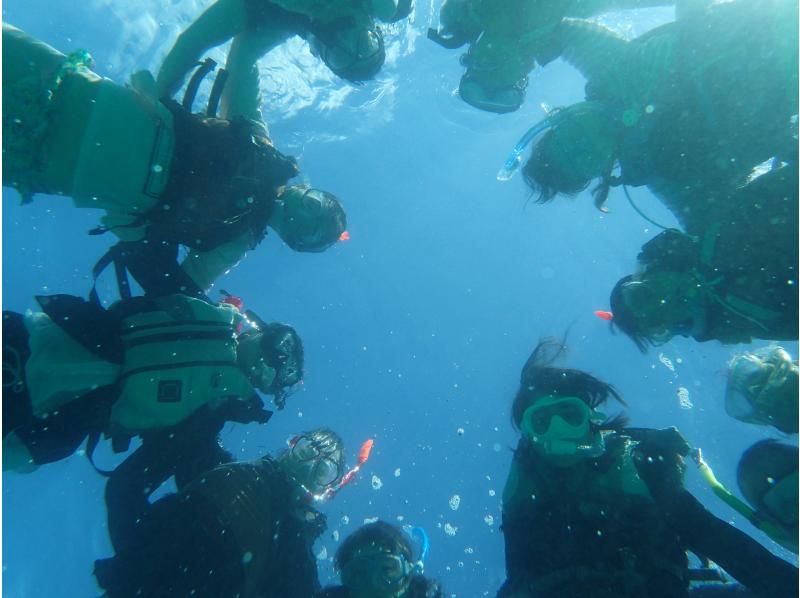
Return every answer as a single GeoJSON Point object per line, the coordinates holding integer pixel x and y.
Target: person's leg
{"type": "Point", "coordinates": [16, 400]}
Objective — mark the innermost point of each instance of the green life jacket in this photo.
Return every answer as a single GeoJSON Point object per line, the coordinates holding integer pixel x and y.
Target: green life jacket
{"type": "Point", "coordinates": [176, 358]}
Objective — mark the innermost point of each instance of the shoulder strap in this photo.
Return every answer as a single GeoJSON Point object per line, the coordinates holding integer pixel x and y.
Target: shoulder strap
{"type": "Point", "coordinates": [123, 285]}
{"type": "Point", "coordinates": [153, 265]}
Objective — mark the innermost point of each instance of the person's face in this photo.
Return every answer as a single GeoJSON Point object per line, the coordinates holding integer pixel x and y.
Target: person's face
{"type": "Point", "coordinates": [314, 462]}
{"type": "Point", "coordinates": [251, 360]}
{"type": "Point", "coordinates": [560, 428]}
{"type": "Point", "coordinates": [662, 304]}
{"type": "Point", "coordinates": [355, 52]}
{"type": "Point", "coordinates": [374, 572]}
{"type": "Point", "coordinates": [304, 224]}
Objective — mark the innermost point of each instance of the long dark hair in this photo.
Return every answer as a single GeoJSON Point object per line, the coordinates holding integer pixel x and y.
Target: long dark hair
{"type": "Point", "coordinates": [546, 178]}
{"type": "Point", "coordinates": [540, 378]}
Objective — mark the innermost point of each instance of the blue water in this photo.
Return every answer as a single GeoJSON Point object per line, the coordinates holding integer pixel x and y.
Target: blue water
{"type": "Point", "coordinates": [415, 330]}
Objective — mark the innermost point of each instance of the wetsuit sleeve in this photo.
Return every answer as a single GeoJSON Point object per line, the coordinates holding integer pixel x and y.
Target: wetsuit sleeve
{"type": "Point", "coordinates": [223, 20]}
{"type": "Point", "coordinates": [741, 556]}
{"type": "Point", "coordinates": [242, 93]}
{"type": "Point", "coordinates": [382, 9]}
{"type": "Point", "coordinates": [184, 451]}
{"type": "Point", "coordinates": [587, 46]}
{"type": "Point", "coordinates": [205, 267]}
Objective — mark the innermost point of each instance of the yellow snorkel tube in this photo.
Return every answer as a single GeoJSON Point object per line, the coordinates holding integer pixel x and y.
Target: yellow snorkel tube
{"type": "Point", "coordinates": [774, 531]}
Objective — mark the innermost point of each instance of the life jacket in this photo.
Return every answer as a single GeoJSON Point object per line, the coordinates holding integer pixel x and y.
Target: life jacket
{"type": "Point", "coordinates": [176, 358]}
{"type": "Point", "coordinates": [224, 180]}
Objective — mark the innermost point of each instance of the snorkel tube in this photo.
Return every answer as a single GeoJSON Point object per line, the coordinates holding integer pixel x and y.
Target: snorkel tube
{"type": "Point", "coordinates": [512, 163]}
{"type": "Point", "coordinates": [418, 534]}
{"type": "Point", "coordinates": [554, 118]}
{"type": "Point", "coordinates": [775, 532]}
{"type": "Point", "coordinates": [363, 456]}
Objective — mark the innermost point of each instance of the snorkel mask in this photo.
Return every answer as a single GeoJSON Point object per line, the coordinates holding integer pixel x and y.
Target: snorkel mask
{"type": "Point", "coordinates": [378, 571]}
{"type": "Point", "coordinates": [328, 490]}
{"type": "Point", "coordinates": [282, 351]}
{"type": "Point", "coordinates": [562, 427]}
{"type": "Point", "coordinates": [353, 51]}
{"type": "Point", "coordinates": [665, 304]}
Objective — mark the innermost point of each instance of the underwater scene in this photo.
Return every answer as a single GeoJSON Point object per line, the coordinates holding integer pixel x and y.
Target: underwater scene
{"type": "Point", "coordinates": [400, 298]}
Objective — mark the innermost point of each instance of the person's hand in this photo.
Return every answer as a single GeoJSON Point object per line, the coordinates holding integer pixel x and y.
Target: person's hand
{"type": "Point", "coordinates": [659, 459]}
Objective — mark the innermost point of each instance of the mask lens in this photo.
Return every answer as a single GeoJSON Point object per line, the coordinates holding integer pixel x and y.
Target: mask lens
{"type": "Point", "coordinates": [352, 53]}
{"type": "Point", "coordinates": [382, 570]}
{"type": "Point", "coordinates": [326, 472]}
{"type": "Point", "coordinates": [304, 449]}
{"type": "Point", "coordinates": [568, 410]}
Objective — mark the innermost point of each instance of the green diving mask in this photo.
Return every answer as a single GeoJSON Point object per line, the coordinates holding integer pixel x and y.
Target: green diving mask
{"type": "Point", "coordinates": [562, 426]}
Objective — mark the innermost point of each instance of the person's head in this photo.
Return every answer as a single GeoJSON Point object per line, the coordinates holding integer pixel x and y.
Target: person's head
{"type": "Point", "coordinates": [556, 408]}
{"type": "Point", "coordinates": [376, 561]}
{"type": "Point", "coordinates": [307, 219]}
{"type": "Point", "coordinates": [314, 460]}
{"type": "Point", "coordinates": [767, 477]}
{"type": "Point", "coordinates": [352, 47]}
{"type": "Point", "coordinates": [654, 307]}
{"type": "Point", "coordinates": [272, 357]}
{"type": "Point", "coordinates": [580, 145]}
{"type": "Point", "coordinates": [762, 389]}
{"type": "Point", "coordinates": [666, 297]}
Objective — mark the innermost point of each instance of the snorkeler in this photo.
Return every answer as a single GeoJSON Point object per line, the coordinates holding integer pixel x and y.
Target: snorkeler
{"type": "Point", "coordinates": [734, 282]}
{"type": "Point", "coordinates": [171, 370]}
{"type": "Point", "coordinates": [688, 109]}
{"type": "Point", "coordinates": [343, 34]}
{"type": "Point", "coordinates": [162, 174]}
{"type": "Point", "coordinates": [242, 529]}
{"type": "Point", "coordinates": [505, 41]}
{"type": "Point", "coordinates": [593, 507]}
{"type": "Point", "coordinates": [377, 561]}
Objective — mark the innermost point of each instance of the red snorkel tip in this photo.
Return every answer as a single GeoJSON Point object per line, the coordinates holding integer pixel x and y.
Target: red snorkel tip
{"type": "Point", "coordinates": [345, 236]}
{"type": "Point", "coordinates": [604, 315]}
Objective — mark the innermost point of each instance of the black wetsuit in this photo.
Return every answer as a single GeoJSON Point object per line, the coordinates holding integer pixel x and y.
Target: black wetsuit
{"type": "Point", "coordinates": [574, 537]}
{"type": "Point", "coordinates": [235, 531]}
{"type": "Point", "coordinates": [420, 587]}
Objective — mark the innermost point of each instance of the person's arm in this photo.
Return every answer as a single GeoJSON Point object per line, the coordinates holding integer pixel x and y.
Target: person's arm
{"type": "Point", "coordinates": [589, 47]}
{"type": "Point", "coordinates": [205, 267]}
{"type": "Point", "coordinates": [242, 93]}
{"type": "Point", "coordinates": [184, 451]}
{"type": "Point", "coordinates": [736, 552]}
{"type": "Point", "coordinates": [382, 9]}
{"type": "Point", "coordinates": [223, 20]}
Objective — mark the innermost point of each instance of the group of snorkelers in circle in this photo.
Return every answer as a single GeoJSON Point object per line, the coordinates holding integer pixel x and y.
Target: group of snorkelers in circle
{"type": "Point", "coordinates": [702, 111]}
